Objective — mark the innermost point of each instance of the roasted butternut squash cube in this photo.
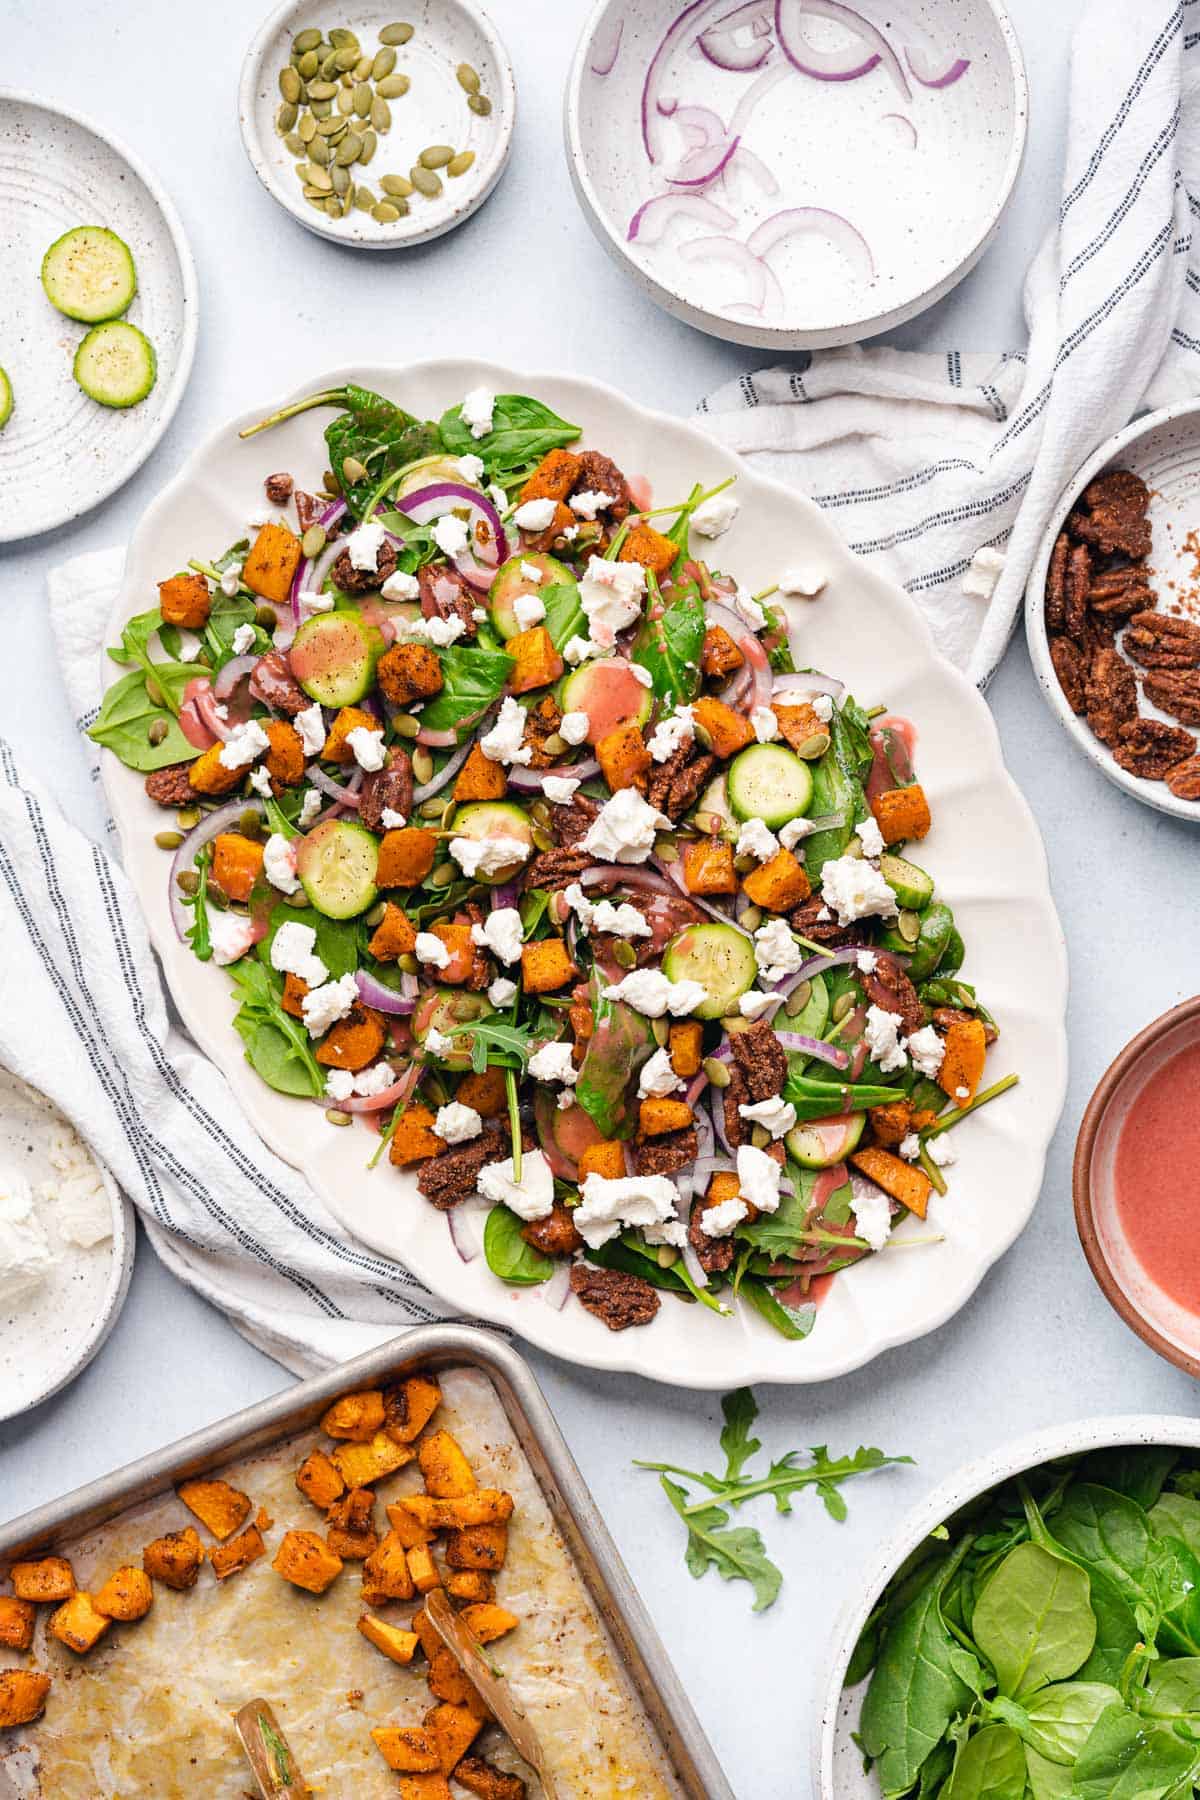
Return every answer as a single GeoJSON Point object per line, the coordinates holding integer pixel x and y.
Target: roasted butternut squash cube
{"type": "Point", "coordinates": [481, 1507]}
{"type": "Point", "coordinates": [425, 1787]}
{"type": "Point", "coordinates": [406, 1748]}
{"type": "Point", "coordinates": [480, 778]}
{"type": "Point", "coordinates": [127, 1595]}
{"type": "Point", "coordinates": [273, 560]}
{"type": "Point", "coordinates": [393, 1640]}
{"type": "Point", "coordinates": [319, 1481]}
{"type": "Point", "coordinates": [546, 965]}
{"type": "Point", "coordinates": [394, 936]}
{"type": "Point", "coordinates": [446, 1679]}
{"type": "Point", "coordinates": [964, 1058]}
{"type": "Point", "coordinates": [723, 1185]}
{"type": "Point", "coordinates": [554, 477]}
{"type": "Point", "coordinates": [445, 1469]}
{"type": "Point", "coordinates": [801, 727]}
{"type": "Point", "coordinates": [223, 1509]}
{"type": "Point", "coordinates": [409, 672]}
{"type": "Point", "coordinates": [405, 857]}
{"type": "Point", "coordinates": [623, 757]}
{"type": "Point", "coordinates": [659, 1115]}
{"type": "Point", "coordinates": [209, 775]}
{"type": "Point", "coordinates": [484, 1092]}
{"type": "Point", "coordinates": [285, 759]}
{"type": "Point", "coordinates": [361, 1464]}
{"type": "Point", "coordinates": [306, 1561]}
{"type": "Point", "coordinates": [407, 1527]}
{"type": "Point", "coordinates": [338, 747]}
{"type": "Point", "coordinates": [351, 1530]}
{"type": "Point", "coordinates": [606, 1158]}
{"type": "Point", "coordinates": [77, 1624]}
{"type": "Point", "coordinates": [720, 656]}
{"type": "Point", "coordinates": [727, 731]}
{"type": "Point", "coordinates": [455, 1729]}
{"type": "Point", "coordinates": [708, 867]}
{"type": "Point", "coordinates": [50, 1579]}
{"type": "Point", "coordinates": [891, 1124]}
{"type": "Point", "coordinates": [910, 1186]}
{"type": "Point", "coordinates": [355, 1417]}
{"type": "Point", "coordinates": [414, 1138]}
{"type": "Point", "coordinates": [409, 1406]}
{"type": "Point", "coordinates": [184, 600]}
{"type": "Point", "coordinates": [486, 1782]}
{"type": "Point", "coordinates": [231, 1558]}
{"type": "Point", "coordinates": [902, 813]}
{"type": "Point", "coordinates": [487, 1623]}
{"type": "Point", "coordinates": [386, 1573]}
{"type": "Point", "coordinates": [478, 1547]}
{"type": "Point", "coordinates": [779, 884]}
{"type": "Point", "coordinates": [354, 1041]}
{"type": "Point", "coordinates": [422, 1568]}
{"type": "Point", "coordinates": [237, 863]}
{"type": "Point", "coordinates": [22, 1696]}
{"type": "Point", "coordinates": [643, 544]}
{"type": "Point", "coordinates": [16, 1622]}
{"type": "Point", "coordinates": [685, 1047]}
{"type": "Point", "coordinates": [537, 661]}
{"type": "Point", "coordinates": [474, 1586]}
{"type": "Point", "coordinates": [174, 1559]}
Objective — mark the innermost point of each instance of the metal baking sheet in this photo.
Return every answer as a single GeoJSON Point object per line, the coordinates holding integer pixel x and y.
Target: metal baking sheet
{"type": "Point", "coordinates": [300, 1408]}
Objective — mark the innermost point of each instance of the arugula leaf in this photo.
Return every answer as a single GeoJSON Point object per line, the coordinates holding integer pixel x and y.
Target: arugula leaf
{"type": "Point", "coordinates": [378, 434]}
{"type": "Point", "coordinates": [565, 617]}
{"type": "Point", "coordinates": [507, 1253]}
{"type": "Point", "coordinates": [740, 1410]}
{"type": "Point", "coordinates": [669, 647]}
{"type": "Point", "coordinates": [472, 680]}
{"type": "Point", "coordinates": [496, 1034]}
{"type": "Point", "coordinates": [779, 649]}
{"type": "Point", "coordinates": [198, 936]}
{"type": "Point", "coordinates": [277, 1046]}
{"type": "Point", "coordinates": [123, 725]}
{"type": "Point", "coordinates": [737, 1553]}
{"type": "Point", "coordinates": [523, 430]}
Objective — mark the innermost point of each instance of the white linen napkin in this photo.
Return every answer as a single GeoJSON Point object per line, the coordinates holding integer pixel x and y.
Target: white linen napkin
{"type": "Point", "coordinates": [945, 468]}
{"type": "Point", "coordinates": [83, 1017]}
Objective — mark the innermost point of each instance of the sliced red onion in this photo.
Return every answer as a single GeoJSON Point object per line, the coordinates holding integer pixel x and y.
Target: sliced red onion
{"type": "Point", "coordinates": [467, 1222]}
{"type": "Point", "coordinates": [731, 250]}
{"type": "Point", "coordinates": [757, 92]}
{"type": "Point", "coordinates": [802, 684]}
{"type": "Point", "coordinates": [385, 999]}
{"type": "Point", "coordinates": [231, 673]}
{"type": "Point", "coordinates": [653, 109]}
{"type": "Point", "coordinates": [903, 119]}
{"type": "Point", "coordinates": [756, 657]}
{"type": "Point", "coordinates": [700, 125]}
{"type": "Point", "coordinates": [436, 740]}
{"type": "Point", "coordinates": [345, 793]}
{"type": "Point", "coordinates": [449, 770]}
{"type": "Point", "coordinates": [607, 47]}
{"type": "Point", "coordinates": [439, 497]}
{"type": "Point", "coordinates": [724, 616]}
{"type": "Point", "coordinates": [845, 237]}
{"type": "Point", "coordinates": [704, 1133]}
{"type": "Point", "coordinates": [554, 1290]}
{"type": "Point", "coordinates": [674, 872]}
{"type": "Point", "coordinates": [505, 895]}
{"type": "Point", "coordinates": [753, 166]}
{"type": "Point", "coordinates": [929, 75]}
{"type": "Point", "coordinates": [792, 42]}
{"type": "Point", "coordinates": [695, 1088]}
{"type": "Point", "coordinates": [630, 875]}
{"type": "Point", "coordinates": [799, 1044]}
{"type": "Point", "coordinates": [206, 703]}
{"type": "Point", "coordinates": [305, 567]}
{"type": "Point", "coordinates": [721, 48]}
{"type": "Point", "coordinates": [225, 818]}
{"type": "Point", "coordinates": [530, 780]}
{"type": "Point", "coordinates": [692, 1264]}
{"type": "Point", "coordinates": [700, 166]}
{"type": "Point", "coordinates": [737, 694]}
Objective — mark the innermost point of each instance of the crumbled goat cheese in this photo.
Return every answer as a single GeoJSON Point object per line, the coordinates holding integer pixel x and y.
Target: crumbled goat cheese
{"type": "Point", "coordinates": [535, 515]}
{"type": "Point", "coordinates": [855, 889]}
{"type": "Point", "coordinates": [641, 674]}
{"type": "Point", "coordinates": [611, 596]}
{"type": "Point", "coordinates": [718, 1221]}
{"type": "Point", "coordinates": [470, 467]}
{"type": "Point", "coordinates": [324, 1006]}
{"type": "Point", "coordinates": [559, 788]}
{"type": "Point", "coordinates": [666, 1231]}
{"type": "Point", "coordinates": [573, 727]}
{"type": "Point", "coordinates": [807, 583]}
{"type": "Point", "coordinates": [456, 1123]}
{"type": "Point", "coordinates": [658, 1077]}
{"type": "Point", "coordinates": [962, 1093]}
{"type": "Point", "coordinates": [882, 1036]}
{"type": "Point", "coordinates": [552, 1062]}
{"type": "Point", "coordinates": [450, 535]}
{"type": "Point", "coordinates": [758, 1177]}
{"type": "Point", "coordinates": [367, 745]}
{"type": "Point", "coordinates": [867, 962]}
{"type": "Point", "coordinates": [231, 580]}
{"type": "Point", "coordinates": [436, 630]}
{"type": "Point", "coordinates": [391, 820]}
{"type": "Point", "coordinates": [244, 745]}
{"type": "Point", "coordinates": [715, 515]}
{"type": "Point", "coordinates": [487, 856]}
{"type": "Point", "coordinates": [311, 725]}
{"type": "Point", "coordinates": [872, 1217]}
{"type": "Point", "coordinates": [624, 829]}
{"type": "Point", "coordinates": [652, 994]}
{"type": "Point", "coordinates": [591, 501]}
{"type": "Point", "coordinates": [478, 409]}
{"type": "Point", "coordinates": [310, 601]}
{"type": "Point", "coordinates": [293, 953]}
{"type": "Point", "coordinates": [987, 566]}
{"type": "Point", "coordinates": [260, 781]}
{"type": "Point", "coordinates": [279, 863]}
{"type": "Point", "coordinates": [755, 840]}
{"type": "Point", "coordinates": [310, 807]}
{"type": "Point", "coordinates": [530, 572]}
{"type": "Point", "coordinates": [430, 949]}
{"type": "Point", "coordinates": [479, 614]}
{"type": "Point", "coordinates": [230, 934]}
{"type": "Point", "coordinates": [927, 1050]}
{"type": "Point", "coordinates": [530, 1198]}
{"type": "Point", "coordinates": [438, 1043]}
{"type": "Point", "coordinates": [498, 498]}
{"type": "Point", "coordinates": [939, 1151]}
{"type": "Point", "coordinates": [502, 743]}
{"type": "Point", "coordinates": [243, 640]}
{"type": "Point", "coordinates": [577, 650]}
{"type": "Point", "coordinates": [747, 608]}
{"type": "Point", "coordinates": [501, 933]}
{"type": "Point", "coordinates": [910, 1147]}
{"type": "Point", "coordinates": [502, 991]}
{"type": "Point", "coordinates": [822, 705]}
{"type": "Point", "coordinates": [776, 951]}
{"type": "Point", "coordinates": [608, 1203]}
{"type": "Point", "coordinates": [26, 1256]}
{"type": "Point", "coordinates": [766, 725]}
{"type": "Point", "coordinates": [264, 516]}
{"type": "Point", "coordinates": [189, 643]}
{"type": "Point", "coordinates": [401, 587]}
{"type": "Point", "coordinates": [677, 728]}
{"type": "Point", "coordinates": [528, 610]}
{"type": "Point", "coordinates": [777, 1114]}
{"type": "Point", "coordinates": [375, 1080]}
{"type": "Point", "coordinates": [339, 1084]}
{"type": "Point", "coordinates": [364, 544]}
{"type": "Point", "coordinates": [870, 837]}
{"type": "Point", "coordinates": [754, 1004]}
{"type": "Point", "coordinates": [622, 921]}
{"type": "Point", "coordinates": [794, 831]}
{"type": "Point", "coordinates": [569, 533]}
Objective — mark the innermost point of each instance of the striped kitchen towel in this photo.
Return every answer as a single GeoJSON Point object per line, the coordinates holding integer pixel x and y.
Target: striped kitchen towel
{"type": "Point", "coordinates": [944, 469]}
{"type": "Point", "coordinates": [83, 1017]}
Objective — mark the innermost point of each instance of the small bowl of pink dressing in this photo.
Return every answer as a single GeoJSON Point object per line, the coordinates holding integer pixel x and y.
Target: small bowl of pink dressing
{"type": "Point", "coordinates": [1137, 1185]}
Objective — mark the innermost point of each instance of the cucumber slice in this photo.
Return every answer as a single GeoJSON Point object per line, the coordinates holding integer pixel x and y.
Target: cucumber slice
{"type": "Point", "coordinates": [769, 783]}
{"type": "Point", "coordinates": [444, 1008]}
{"type": "Point", "coordinates": [493, 819]}
{"type": "Point", "coordinates": [336, 864]}
{"type": "Point", "coordinates": [912, 887]}
{"type": "Point", "coordinates": [510, 584]}
{"type": "Point", "coordinates": [6, 399]}
{"type": "Point", "coordinates": [115, 365]}
{"type": "Point", "coordinates": [720, 957]}
{"type": "Point", "coordinates": [819, 1143]}
{"type": "Point", "coordinates": [333, 657]}
{"type": "Point", "coordinates": [88, 274]}
{"type": "Point", "coordinates": [608, 691]}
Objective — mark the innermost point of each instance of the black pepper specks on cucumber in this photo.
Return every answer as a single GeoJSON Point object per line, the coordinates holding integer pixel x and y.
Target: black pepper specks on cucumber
{"type": "Point", "coordinates": [115, 365]}
{"type": "Point", "coordinates": [88, 274]}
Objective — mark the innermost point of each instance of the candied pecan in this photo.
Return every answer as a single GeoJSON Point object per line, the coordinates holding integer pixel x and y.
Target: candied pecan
{"type": "Point", "coordinates": [390, 787]}
{"type": "Point", "coordinates": [599, 474]}
{"type": "Point", "coordinates": [541, 722]}
{"type": "Point", "coordinates": [572, 821]}
{"type": "Point", "coordinates": [889, 987]}
{"type": "Point", "coordinates": [713, 1254]}
{"type": "Point", "coordinates": [946, 1016]}
{"type": "Point", "coordinates": [618, 1299]}
{"type": "Point", "coordinates": [309, 508]}
{"type": "Point", "coordinates": [1176, 692]}
{"type": "Point", "coordinates": [555, 1235]}
{"type": "Point", "coordinates": [1115, 518]}
{"type": "Point", "coordinates": [1184, 779]}
{"type": "Point", "coordinates": [364, 581]}
{"type": "Point", "coordinates": [555, 868]}
{"type": "Point", "coordinates": [685, 789]}
{"type": "Point", "coordinates": [662, 775]}
{"type": "Point", "coordinates": [735, 1095]}
{"type": "Point", "coordinates": [272, 682]}
{"type": "Point", "coordinates": [1071, 667]}
{"type": "Point", "coordinates": [1117, 593]}
{"type": "Point", "coordinates": [807, 920]}
{"type": "Point", "coordinates": [665, 1155]}
{"type": "Point", "coordinates": [1150, 749]}
{"type": "Point", "coordinates": [170, 786]}
{"type": "Point", "coordinates": [445, 594]}
{"type": "Point", "coordinates": [1110, 695]}
{"type": "Point", "coordinates": [1056, 584]}
{"type": "Point", "coordinates": [1161, 641]}
{"type": "Point", "coordinates": [1079, 580]}
{"type": "Point", "coordinates": [762, 1059]}
{"type": "Point", "coordinates": [279, 488]}
{"type": "Point", "coordinates": [481, 968]}
{"type": "Point", "coordinates": [445, 1180]}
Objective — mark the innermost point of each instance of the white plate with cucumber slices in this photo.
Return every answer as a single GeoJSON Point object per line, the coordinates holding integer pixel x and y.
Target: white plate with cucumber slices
{"type": "Point", "coordinates": [130, 292]}
{"type": "Point", "coordinates": [984, 853]}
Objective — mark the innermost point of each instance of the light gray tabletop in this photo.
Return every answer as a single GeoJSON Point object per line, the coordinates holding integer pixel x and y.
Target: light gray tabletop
{"type": "Point", "coordinates": [526, 282]}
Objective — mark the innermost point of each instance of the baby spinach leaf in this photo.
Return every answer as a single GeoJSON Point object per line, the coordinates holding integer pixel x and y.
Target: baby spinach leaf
{"type": "Point", "coordinates": [792, 1322]}
{"type": "Point", "coordinates": [337, 940]}
{"type": "Point", "coordinates": [838, 786]}
{"type": "Point", "coordinates": [1122, 1760]}
{"type": "Point", "coordinates": [1047, 1780]}
{"type": "Point", "coordinates": [736, 1552]}
{"type": "Point", "coordinates": [523, 430]}
{"type": "Point", "coordinates": [989, 1766]}
{"type": "Point", "coordinates": [381, 436]}
{"type": "Point", "coordinates": [507, 1253]}
{"type": "Point", "coordinates": [1033, 1621]}
{"type": "Point", "coordinates": [669, 648]}
{"type": "Point", "coordinates": [1057, 1721]}
{"type": "Point", "coordinates": [777, 1234]}
{"type": "Point", "coordinates": [1106, 1531]}
{"type": "Point", "coordinates": [1172, 1692]}
{"type": "Point", "coordinates": [277, 1046]}
{"type": "Point", "coordinates": [1177, 1516]}
{"type": "Point", "coordinates": [472, 680]}
{"type": "Point", "coordinates": [915, 1691]}
{"type": "Point", "coordinates": [1138, 1471]}
{"type": "Point", "coordinates": [620, 1043]}
{"type": "Point", "coordinates": [123, 724]}
{"type": "Point", "coordinates": [565, 617]}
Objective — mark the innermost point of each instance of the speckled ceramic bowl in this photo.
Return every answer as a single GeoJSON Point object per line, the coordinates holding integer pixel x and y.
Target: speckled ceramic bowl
{"type": "Point", "coordinates": [791, 176]}
{"type": "Point", "coordinates": [446, 34]}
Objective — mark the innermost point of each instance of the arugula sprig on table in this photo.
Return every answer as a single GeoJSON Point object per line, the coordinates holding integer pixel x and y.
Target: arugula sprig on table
{"type": "Point", "coordinates": [737, 1552]}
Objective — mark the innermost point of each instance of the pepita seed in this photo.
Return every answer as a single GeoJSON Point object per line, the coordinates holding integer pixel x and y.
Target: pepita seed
{"type": "Point", "coordinates": [317, 196]}
{"type": "Point", "coordinates": [661, 1029]}
{"type": "Point", "coordinates": [168, 840]}
{"type": "Point", "coordinates": [322, 90]}
{"type": "Point", "coordinates": [187, 881]}
{"type": "Point", "coordinates": [480, 105]}
{"type": "Point", "coordinates": [320, 155]}
{"type": "Point", "coordinates": [295, 144]}
{"type": "Point", "coordinates": [408, 964]}
{"type": "Point", "coordinates": [386, 212]}
{"type": "Point", "coordinates": [250, 824]}
{"type": "Point", "coordinates": [468, 79]}
{"type": "Point", "coordinates": [313, 541]}
{"type": "Point", "coordinates": [157, 731]}
{"type": "Point", "coordinates": [407, 725]}
{"type": "Point", "coordinates": [666, 1256]}
{"type": "Point", "coordinates": [396, 184]}
{"type": "Point", "coordinates": [305, 41]}
{"type": "Point", "coordinates": [444, 874]}
{"type": "Point", "coordinates": [290, 85]}
{"type": "Point", "coordinates": [188, 818]}
{"type": "Point", "coordinates": [309, 65]}
{"type": "Point", "coordinates": [362, 68]}
{"type": "Point", "coordinates": [341, 178]}
{"type": "Point", "coordinates": [370, 143]}
{"type": "Point", "coordinates": [153, 692]}
{"type": "Point", "coordinates": [436, 156]}
{"type": "Point", "coordinates": [333, 127]}
{"type": "Point", "coordinates": [798, 999]}
{"type": "Point", "coordinates": [429, 809]}
{"type": "Point", "coordinates": [321, 109]}
{"type": "Point", "coordinates": [286, 117]}
{"type": "Point", "coordinates": [345, 101]}
{"type": "Point", "coordinates": [700, 733]}
{"type": "Point", "coordinates": [216, 898]}
{"type": "Point", "coordinates": [342, 38]}
{"type": "Point", "coordinates": [542, 838]}
{"type": "Point", "coordinates": [337, 1117]}
{"type": "Point", "coordinates": [383, 62]}
{"type": "Point", "coordinates": [264, 616]}
{"type": "Point", "coordinates": [854, 849]}
{"type": "Point", "coordinates": [666, 847]}
{"type": "Point", "coordinates": [352, 470]}
{"type": "Point", "coordinates": [539, 812]}
{"type": "Point", "coordinates": [333, 207]}
{"type": "Point", "coordinates": [329, 67]}
{"type": "Point", "coordinates": [364, 199]}
{"type": "Point", "coordinates": [395, 34]}
{"type": "Point", "coordinates": [422, 764]}
{"type": "Point", "coordinates": [348, 79]}
{"type": "Point", "coordinates": [624, 954]}
{"type": "Point", "coordinates": [425, 181]}
{"type": "Point", "coordinates": [458, 165]}
{"type": "Point", "coordinates": [348, 150]}
{"type": "Point", "coordinates": [760, 1137]}
{"type": "Point", "coordinates": [361, 100]}
{"type": "Point", "coordinates": [814, 746]}
{"type": "Point", "coordinates": [346, 58]}
{"type": "Point", "coordinates": [381, 114]}
{"type": "Point", "coordinates": [307, 128]}
{"type": "Point", "coordinates": [377, 913]}
{"type": "Point", "coordinates": [909, 926]}
{"type": "Point", "coordinates": [751, 918]}
{"type": "Point", "coordinates": [393, 87]}
{"type": "Point", "coordinates": [554, 745]}
{"type": "Point", "coordinates": [331, 484]}
{"type": "Point", "coordinates": [841, 1006]}
{"type": "Point", "coordinates": [317, 177]}
{"type": "Point", "coordinates": [716, 1071]}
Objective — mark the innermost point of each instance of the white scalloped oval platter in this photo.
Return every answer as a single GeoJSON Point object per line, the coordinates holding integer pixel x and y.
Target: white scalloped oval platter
{"type": "Point", "coordinates": [984, 851]}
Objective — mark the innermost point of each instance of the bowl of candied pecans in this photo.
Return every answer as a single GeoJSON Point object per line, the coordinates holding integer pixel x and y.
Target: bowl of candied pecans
{"type": "Point", "coordinates": [1112, 610]}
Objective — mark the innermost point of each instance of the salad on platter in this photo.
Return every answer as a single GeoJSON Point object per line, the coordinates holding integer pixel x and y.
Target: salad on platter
{"type": "Point", "coordinates": [526, 844]}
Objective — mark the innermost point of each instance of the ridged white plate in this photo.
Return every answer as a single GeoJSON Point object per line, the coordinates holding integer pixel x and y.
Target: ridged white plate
{"type": "Point", "coordinates": [60, 452]}
{"type": "Point", "coordinates": [984, 851]}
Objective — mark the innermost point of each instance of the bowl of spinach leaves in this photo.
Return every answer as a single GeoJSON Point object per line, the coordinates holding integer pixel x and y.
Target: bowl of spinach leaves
{"type": "Point", "coordinates": [1033, 1632]}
